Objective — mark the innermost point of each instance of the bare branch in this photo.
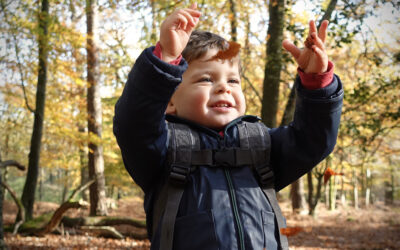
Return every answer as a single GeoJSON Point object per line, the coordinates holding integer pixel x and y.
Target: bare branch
{"type": "Point", "coordinates": [19, 205]}
{"type": "Point", "coordinates": [252, 87]}
{"type": "Point", "coordinates": [12, 163]}
{"type": "Point", "coordinates": [80, 189]}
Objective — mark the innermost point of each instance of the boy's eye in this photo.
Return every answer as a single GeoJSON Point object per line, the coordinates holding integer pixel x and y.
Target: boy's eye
{"type": "Point", "coordinates": [233, 81]}
{"type": "Point", "coordinates": [205, 79]}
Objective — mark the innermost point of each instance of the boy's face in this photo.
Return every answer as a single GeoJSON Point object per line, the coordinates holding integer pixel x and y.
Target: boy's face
{"type": "Point", "coordinates": [210, 93]}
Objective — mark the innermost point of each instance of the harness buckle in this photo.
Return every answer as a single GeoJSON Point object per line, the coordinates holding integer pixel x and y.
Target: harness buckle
{"type": "Point", "coordinates": [265, 175]}
{"type": "Point", "coordinates": [224, 157]}
{"type": "Point", "coordinates": [179, 174]}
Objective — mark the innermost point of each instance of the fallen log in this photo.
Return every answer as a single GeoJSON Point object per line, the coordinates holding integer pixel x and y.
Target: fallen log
{"type": "Point", "coordinates": [58, 215]}
{"type": "Point", "coordinates": [103, 221]}
{"type": "Point", "coordinates": [103, 231]}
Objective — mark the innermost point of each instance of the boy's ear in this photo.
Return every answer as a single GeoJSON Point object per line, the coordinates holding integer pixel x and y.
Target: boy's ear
{"type": "Point", "coordinates": [171, 108]}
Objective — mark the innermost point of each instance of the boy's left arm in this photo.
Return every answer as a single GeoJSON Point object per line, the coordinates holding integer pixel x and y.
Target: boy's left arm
{"type": "Point", "coordinates": [311, 137]}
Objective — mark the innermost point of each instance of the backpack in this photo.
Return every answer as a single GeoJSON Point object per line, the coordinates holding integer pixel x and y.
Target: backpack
{"type": "Point", "coordinates": [185, 155]}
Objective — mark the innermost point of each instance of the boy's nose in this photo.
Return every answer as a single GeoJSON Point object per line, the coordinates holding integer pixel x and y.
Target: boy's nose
{"type": "Point", "coordinates": [222, 87]}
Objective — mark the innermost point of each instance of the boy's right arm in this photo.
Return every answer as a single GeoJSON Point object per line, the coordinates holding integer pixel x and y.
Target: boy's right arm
{"type": "Point", "coordinates": [139, 121]}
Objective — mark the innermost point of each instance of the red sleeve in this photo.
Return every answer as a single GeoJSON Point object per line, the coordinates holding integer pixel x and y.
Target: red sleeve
{"type": "Point", "coordinates": [316, 80]}
{"type": "Point", "coordinates": [158, 53]}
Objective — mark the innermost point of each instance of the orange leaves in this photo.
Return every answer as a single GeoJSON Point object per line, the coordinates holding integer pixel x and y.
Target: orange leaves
{"type": "Point", "coordinates": [328, 173]}
{"type": "Point", "coordinates": [291, 231]}
{"type": "Point", "coordinates": [229, 53]}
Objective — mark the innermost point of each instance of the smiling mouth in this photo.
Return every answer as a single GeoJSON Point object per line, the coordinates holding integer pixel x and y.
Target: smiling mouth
{"type": "Point", "coordinates": [222, 105]}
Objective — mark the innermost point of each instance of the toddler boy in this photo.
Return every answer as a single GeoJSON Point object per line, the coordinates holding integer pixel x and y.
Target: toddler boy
{"type": "Point", "coordinates": [190, 80]}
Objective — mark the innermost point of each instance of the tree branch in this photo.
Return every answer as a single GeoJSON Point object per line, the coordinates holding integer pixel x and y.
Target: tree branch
{"type": "Point", "coordinates": [80, 189]}
{"type": "Point", "coordinates": [12, 163]}
{"type": "Point", "coordinates": [19, 205]}
{"type": "Point", "coordinates": [252, 87]}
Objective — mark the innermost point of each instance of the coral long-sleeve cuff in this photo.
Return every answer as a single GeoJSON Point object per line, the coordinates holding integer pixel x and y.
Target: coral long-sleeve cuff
{"type": "Point", "coordinates": [316, 80]}
{"type": "Point", "coordinates": [158, 53]}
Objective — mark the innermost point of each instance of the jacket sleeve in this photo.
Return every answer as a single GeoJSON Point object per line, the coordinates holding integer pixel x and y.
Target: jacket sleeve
{"type": "Point", "coordinates": [139, 121]}
{"type": "Point", "coordinates": [311, 137]}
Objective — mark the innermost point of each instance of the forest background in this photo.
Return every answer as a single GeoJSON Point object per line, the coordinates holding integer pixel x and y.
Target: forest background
{"type": "Point", "coordinates": [64, 64]}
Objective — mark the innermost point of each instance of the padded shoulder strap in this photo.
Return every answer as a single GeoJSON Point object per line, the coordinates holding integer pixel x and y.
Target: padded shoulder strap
{"type": "Point", "coordinates": [255, 136]}
{"type": "Point", "coordinates": [182, 142]}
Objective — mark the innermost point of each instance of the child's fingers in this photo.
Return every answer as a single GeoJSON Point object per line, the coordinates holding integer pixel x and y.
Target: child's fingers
{"type": "Point", "coordinates": [290, 47]}
{"type": "Point", "coordinates": [317, 41]}
{"type": "Point", "coordinates": [322, 30]}
{"type": "Point", "coordinates": [193, 13]}
{"type": "Point", "coordinates": [321, 55]}
{"type": "Point", "coordinates": [186, 15]}
{"type": "Point", "coordinates": [180, 22]}
{"type": "Point", "coordinates": [313, 28]}
{"type": "Point", "coordinates": [193, 6]}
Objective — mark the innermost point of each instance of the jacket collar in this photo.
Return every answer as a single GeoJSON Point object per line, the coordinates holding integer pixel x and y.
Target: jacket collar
{"type": "Point", "coordinates": [214, 132]}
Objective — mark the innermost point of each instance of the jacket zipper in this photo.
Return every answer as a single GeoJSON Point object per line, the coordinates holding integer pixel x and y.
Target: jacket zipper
{"type": "Point", "coordinates": [235, 209]}
{"type": "Point", "coordinates": [222, 140]}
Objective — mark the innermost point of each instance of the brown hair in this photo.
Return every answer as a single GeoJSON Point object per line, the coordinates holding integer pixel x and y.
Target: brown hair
{"type": "Point", "coordinates": [200, 42]}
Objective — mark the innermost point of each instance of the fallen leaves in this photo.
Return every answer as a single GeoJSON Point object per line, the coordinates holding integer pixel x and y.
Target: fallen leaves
{"type": "Point", "coordinates": [328, 173]}
{"type": "Point", "coordinates": [291, 231]}
{"type": "Point", "coordinates": [229, 53]}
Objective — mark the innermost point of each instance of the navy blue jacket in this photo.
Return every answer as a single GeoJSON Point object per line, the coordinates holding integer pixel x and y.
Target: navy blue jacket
{"type": "Point", "coordinates": [220, 208]}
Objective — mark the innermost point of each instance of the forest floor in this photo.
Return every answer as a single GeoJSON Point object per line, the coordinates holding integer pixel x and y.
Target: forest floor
{"type": "Point", "coordinates": [375, 227]}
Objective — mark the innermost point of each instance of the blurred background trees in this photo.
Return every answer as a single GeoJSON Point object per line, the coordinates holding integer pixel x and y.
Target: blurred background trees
{"type": "Point", "coordinates": [363, 43]}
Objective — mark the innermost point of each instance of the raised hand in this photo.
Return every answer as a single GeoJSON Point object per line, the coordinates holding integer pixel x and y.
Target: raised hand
{"type": "Point", "coordinates": [175, 31]}
{"type": "Point", "coordinates": [312, 58]}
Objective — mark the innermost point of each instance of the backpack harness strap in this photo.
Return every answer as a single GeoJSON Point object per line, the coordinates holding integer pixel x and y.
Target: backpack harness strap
{"type": "Point", "coordinates": [184, 155]}
{"type": "Point", "coordinates": [183, 141]}
{"type": "Point", "coordinates": [250, 138]}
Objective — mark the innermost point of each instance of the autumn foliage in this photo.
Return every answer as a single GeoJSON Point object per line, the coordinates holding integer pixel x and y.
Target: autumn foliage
{"type": "Point", "coordinates": [328, 173]}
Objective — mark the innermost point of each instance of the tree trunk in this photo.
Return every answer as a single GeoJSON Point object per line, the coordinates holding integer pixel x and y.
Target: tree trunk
{"type": "Point", "coordinates": [233, 20]}
{"type": "Point", "coordinates": [368, 187]}
{"type": "Point", "coordinates": [297, 195]}
{"type": "Point", "coordinates": [28, 195]}
{"type": "Point", "coordinates": [84, 171]}
{"type": "Point", "coordinates": [273, 65]}
{"type": "Point", "coordinates": [332, 193]}
{"type": "Point", "coordinates": [355, 189]}
{"type": "Point", "coordinates": [310, 191]}
{"type": "Point", "coordinates": [315, 201]}
{"type": "Point", "coordinates": [40, 189]}
{"type": "Point", "coordinates": [96, 162]}
{"type": "Point", "coordinates": [2, 243]}
{"type": "Point", "coordinates": [392, 183]}
{"type": "Point", "coordinates": [65, 186]}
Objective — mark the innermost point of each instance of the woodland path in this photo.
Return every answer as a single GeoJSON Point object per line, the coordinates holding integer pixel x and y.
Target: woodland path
{"type": "Point", "coordinates": [375, 227]}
